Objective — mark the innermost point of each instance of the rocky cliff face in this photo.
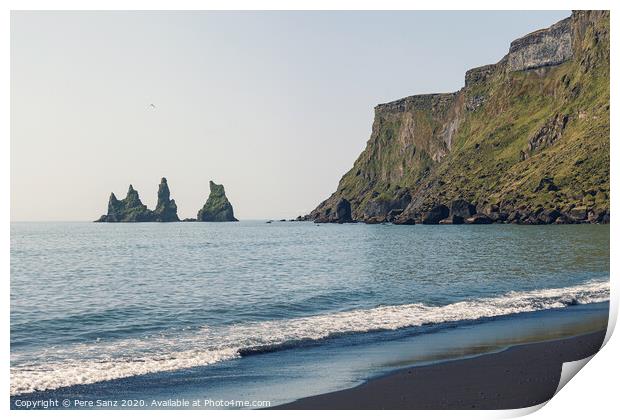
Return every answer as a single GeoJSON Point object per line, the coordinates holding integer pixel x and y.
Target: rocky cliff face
{"type": "Point", "coordinates": [408, 138]}
{"type": "Point", "coordinates": [546, 47]}
{"type": "Point", "coordinates": [217, 208]}
{"type": "Point", "coordinates": [131, 209]}
{"type": "Point", "coordinates": [526, 140]}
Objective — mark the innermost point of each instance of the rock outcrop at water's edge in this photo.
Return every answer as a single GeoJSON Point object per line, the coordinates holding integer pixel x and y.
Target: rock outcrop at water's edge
{"type": "Point", "coordinates": [166, 210]}
{"type": "Point", "coordinates": [526, 141]}
{"type": "Point", "coordinates": [340, 213]}
{"type": "Point", "coordinates": [130, 209]}
{"type": "Point", "coordinates": [217, 208]}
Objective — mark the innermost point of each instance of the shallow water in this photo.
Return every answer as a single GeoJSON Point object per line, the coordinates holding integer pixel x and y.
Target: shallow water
{"type": "Point", "coordinates": [93, 302]}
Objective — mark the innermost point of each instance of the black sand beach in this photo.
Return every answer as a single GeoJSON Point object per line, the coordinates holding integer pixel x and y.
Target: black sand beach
{"type": "Point", "coordinates": [518, 377]}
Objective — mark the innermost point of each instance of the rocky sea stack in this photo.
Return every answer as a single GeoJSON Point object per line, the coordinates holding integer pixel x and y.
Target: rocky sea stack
{"type": "Point", "coordinates": [217, 208]}
{"type": "Point", "coordinates": [131, 209]}
{"type": "Point", "coordinates": [526, 141]}
{"type": "Point", "coordinates": [166, 210]}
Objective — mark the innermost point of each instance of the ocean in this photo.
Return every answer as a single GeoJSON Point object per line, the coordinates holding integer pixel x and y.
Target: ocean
{"type": "Point", "coordinates": [279, 311]}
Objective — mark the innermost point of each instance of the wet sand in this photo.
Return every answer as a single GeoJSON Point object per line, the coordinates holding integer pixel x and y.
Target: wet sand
{"type": "Point", "coordinates": [518, 377]}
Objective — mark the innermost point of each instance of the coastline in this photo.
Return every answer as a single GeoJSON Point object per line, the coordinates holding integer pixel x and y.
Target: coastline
{"type": "Point", "coordinates": [517, 377]}
{"type": "Point", "coordinates": [356, 308]}
{"type": "Point", "coordinates": [295, 374]}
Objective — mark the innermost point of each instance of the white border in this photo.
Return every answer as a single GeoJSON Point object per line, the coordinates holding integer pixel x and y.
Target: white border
{"type": "Point", "coordinates": [305, 5]}
{"type": "Point", "coordinates": [592, 394]}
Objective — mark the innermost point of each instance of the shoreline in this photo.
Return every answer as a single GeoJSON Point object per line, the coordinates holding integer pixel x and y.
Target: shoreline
{"type": "Point", "coordinates": [517, 377]}
{"type": "Point", "coordinates": [295, 374]}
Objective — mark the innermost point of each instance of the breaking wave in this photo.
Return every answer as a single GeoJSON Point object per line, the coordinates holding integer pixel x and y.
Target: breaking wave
{"type": "Point", "coordinates": [98, 361]}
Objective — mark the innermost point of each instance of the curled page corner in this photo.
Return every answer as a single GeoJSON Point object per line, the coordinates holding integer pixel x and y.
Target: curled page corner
{"type": "Point", "coordinates": [570, 369]}
{"type": "Point", "coordinates": [519, 412]}
{"type": "Point", "coordinates": [613, 318]}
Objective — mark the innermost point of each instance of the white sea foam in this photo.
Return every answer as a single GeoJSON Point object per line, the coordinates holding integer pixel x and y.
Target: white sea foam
{"type": "Point", "coordinates": [100, 361]}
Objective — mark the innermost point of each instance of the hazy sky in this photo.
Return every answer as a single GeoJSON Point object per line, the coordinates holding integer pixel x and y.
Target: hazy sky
{"type": "Point", "coordinates": [274, 105]}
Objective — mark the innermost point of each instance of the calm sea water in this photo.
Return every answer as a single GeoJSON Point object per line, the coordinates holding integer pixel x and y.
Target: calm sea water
{"type": "Point", "coordinates": [95, 302]}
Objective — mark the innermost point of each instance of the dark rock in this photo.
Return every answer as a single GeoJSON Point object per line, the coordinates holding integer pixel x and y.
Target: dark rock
{"type": "Point", "coordinates": [479, 219]}
{"type": "Point", "coordinates": [514, 217]}
{"type": "Point", "coordinates": [498, 217]}
{"type": "Point", "coordinates": [341, 213]}
{"type": "Point", "coordinates": [436, 214]}
{"type": "Point", "coordinates": [563, 220]}
{"type": "Point", "coordinates": [376, 208]}
{"type": "Point", "coordinates": [462, 208]}
{"type": "Point", "coordinates": [578, 213]}
{"type": "Point", "coordinates": [452, 220]}
{"type": "Point", "coordinates": [595, 216]}
{"type": "Point", "coordinates": [393, 214]}
{"type": "Point", "coordinates": [404, 221]}
{"type": "Point", "coordinates": [549, 216]}
{"type": "Point", "coordinates": [166, 210]}
{"type": "Point", "coordinates": [217, 208]}
{"type": "Point", "coordinates": [189, 219]}
{"type": "Point", "coordinates": [605, 218]}
{"type": "Point", "coordinates": [379, 208]}
{"type": "Point", "coordinates": [532, 219]}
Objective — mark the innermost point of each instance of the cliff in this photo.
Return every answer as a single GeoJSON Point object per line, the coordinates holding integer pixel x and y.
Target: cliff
{"type": "Point", "coordinates": [217, 208]}
{"type": "Point", "coordinates": [546, 47]}
{"type": "Point", "coordinates": [526, 140]}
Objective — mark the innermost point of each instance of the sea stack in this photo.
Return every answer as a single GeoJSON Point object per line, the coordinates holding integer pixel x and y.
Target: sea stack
{"type": "Point", "coordinates": [166, 210]}
{"type": "Point", "coordinates": [217, 208]}
{"type": "Point", "coordinates": [130, 209]}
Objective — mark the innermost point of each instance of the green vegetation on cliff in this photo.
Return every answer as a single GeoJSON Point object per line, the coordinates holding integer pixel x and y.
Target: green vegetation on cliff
{"type": "Point", "coordinates": [166, 209]}
{"type": "Point", "coordinates": [217, 208]}
{"type": "Point", "coordinates": [526, 139]}
{"type": "Point", "coordinates": [131, 209]}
